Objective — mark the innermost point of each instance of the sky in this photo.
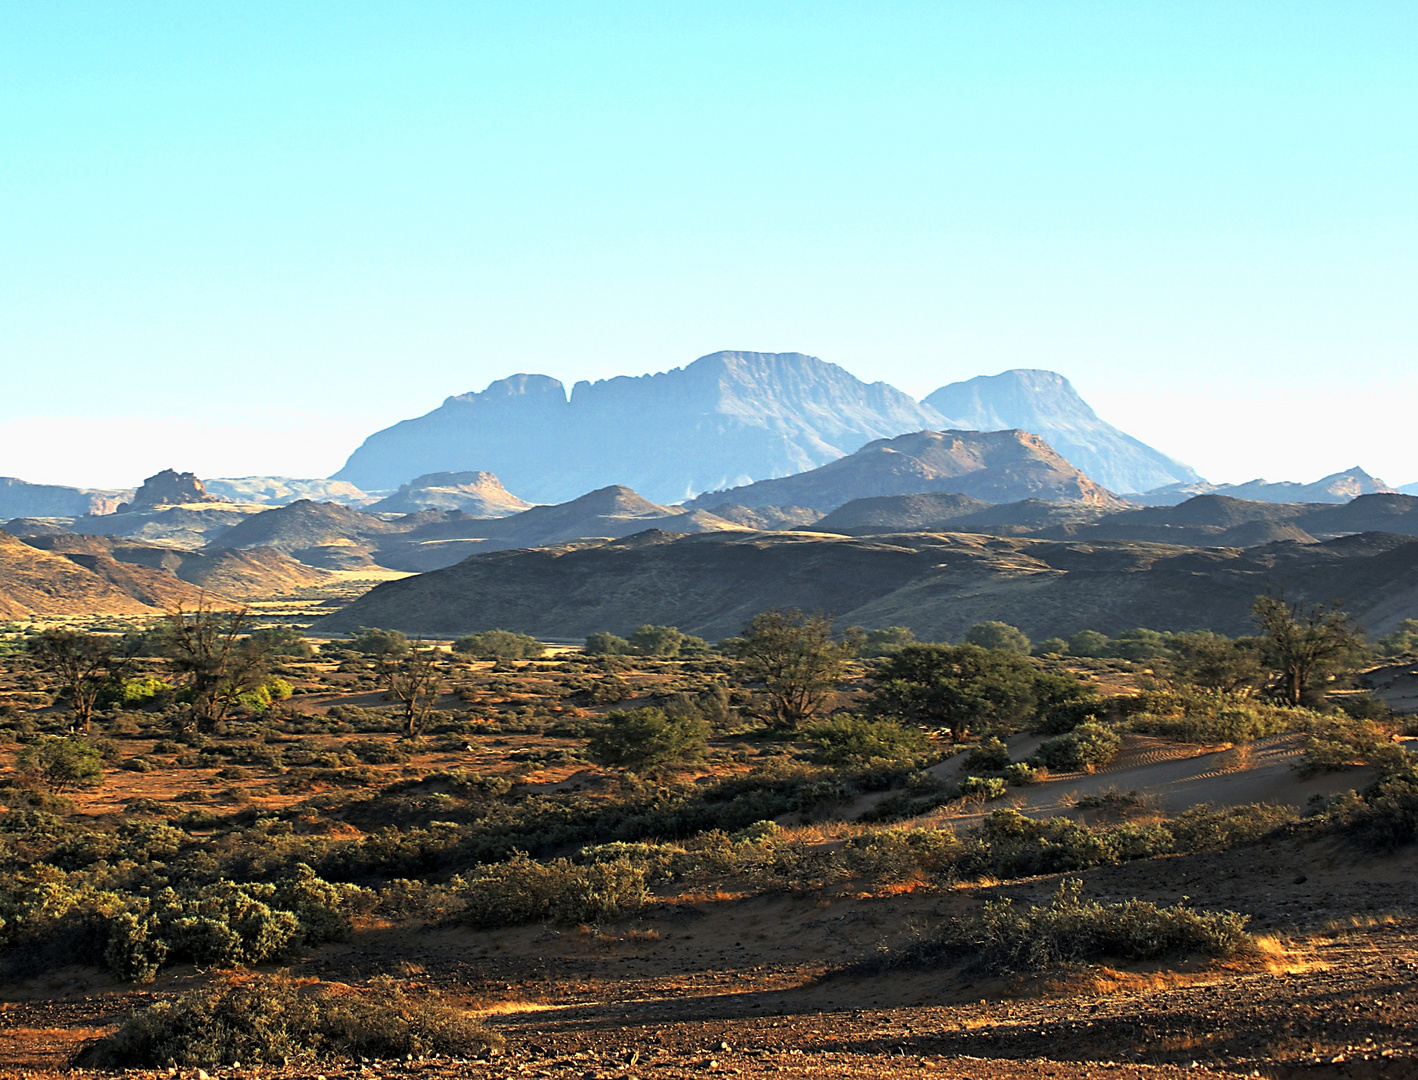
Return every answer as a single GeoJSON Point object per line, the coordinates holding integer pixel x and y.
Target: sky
{"type": "Point", "coordinates": [237, 239]}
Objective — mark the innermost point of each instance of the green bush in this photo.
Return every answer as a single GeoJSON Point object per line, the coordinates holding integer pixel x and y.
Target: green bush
{"type": "Point", "coordinates": [1021, 774]}
{"type": "Point", "coordinates": [978, 787]}
{"type": "Point", "coordinates": [640, 739]}
{"type": "Point", "coordinates": [846, 740]}
{"type": "Point", "coordinates": [523, 890]}
{"type": "Point", "coordinates": [269, 1019]}
{"type": "Point", "coordinates": [1005, 938]}
{"type": "Point", "coordinates": [500, 645]}
{"type": "Point", "coordinates": [990, 756]}
{"type": "Point", "coordinates": [884, 641]}
{"type": "Point", "coordinates": [1339, 743]}
{"type": "Point", "coordinates": [664, 641]}
{"type": "Point", "coordinates": [1086, 747]}
{"type": "Point", "coordinates": [61, 763]}
{"type": "Point", "coordinates": [1201, 716]}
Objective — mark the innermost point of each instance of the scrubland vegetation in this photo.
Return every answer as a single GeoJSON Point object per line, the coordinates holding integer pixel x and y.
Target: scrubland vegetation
{"type": "Point", "coordinates": [279, 795]}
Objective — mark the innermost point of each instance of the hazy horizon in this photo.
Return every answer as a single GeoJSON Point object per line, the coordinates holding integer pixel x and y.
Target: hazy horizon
{"type": "Point", "coordinates": [240, 241]}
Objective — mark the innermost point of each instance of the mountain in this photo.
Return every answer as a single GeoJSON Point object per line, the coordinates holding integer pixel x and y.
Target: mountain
{"type": "Point", "coordinates": [477, 494]}
{"type": "Point", "coordinates": [937, 584]}
{"type": "Point", "coordinates": [1046, 404]}
{"type": "Point", "coordinates": [1336, 488]}
{"type": "Point", "coordinates": [1409, 489]}
{"type": "Point", "coordinates": [20, 499]}
{"type": "Point", "coordinates": [728, 418]}
{"type": "Point", "coordinates": [610, 512]}
{"type": "Point", "coordinates": [191, 525]}
{"type": "Point", "coordinates": [997, 466]}
{"type": "Point", "coordinates": [281, 490]}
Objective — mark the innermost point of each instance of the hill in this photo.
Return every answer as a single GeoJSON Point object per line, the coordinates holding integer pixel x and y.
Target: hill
{"type": "Point", "coordinates": [938, 584]}
{"type": "Point", "coordinates": [1335, 488]}
{"type": "Point", "coordinates": [610, 512]}
{"type": "Point", "coordinates": [727, 418]}
{"type": "Point", "coordinates": [34, 582]}
{"type": "Point", "coordinates": [252, 574]}
{"type": "Point", "coordinates": [1046, 403]}
{"type": "Point", "coordinates": [477, 494]}
{"type": "Point", "coordinates": [325, 535]}
{"type": "Point", "coordinates": [996, 467]}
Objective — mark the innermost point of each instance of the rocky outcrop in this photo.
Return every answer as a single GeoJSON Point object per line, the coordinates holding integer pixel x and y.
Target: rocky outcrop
{"type": "Point", "coordinates": [168, 488]}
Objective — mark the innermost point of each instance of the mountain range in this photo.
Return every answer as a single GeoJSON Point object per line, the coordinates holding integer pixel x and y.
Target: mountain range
{"type": "Point", "coordinates": [726, 420]}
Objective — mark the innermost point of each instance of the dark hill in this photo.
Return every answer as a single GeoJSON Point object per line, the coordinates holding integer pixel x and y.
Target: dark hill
{"type": "Point", "coordinates": [937, 584]}
{"type": "Point", "coordinates": [996, 467]}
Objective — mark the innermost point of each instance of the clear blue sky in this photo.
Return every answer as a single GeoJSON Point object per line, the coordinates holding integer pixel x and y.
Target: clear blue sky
{"type": "Point", "coordinates": [236, 238]}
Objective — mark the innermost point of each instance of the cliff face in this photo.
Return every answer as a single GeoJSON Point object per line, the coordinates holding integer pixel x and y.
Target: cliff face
{"type": "Point", "coordinates": [728, 418]}
{"type": "Point", "coordinates": [1046, 403]}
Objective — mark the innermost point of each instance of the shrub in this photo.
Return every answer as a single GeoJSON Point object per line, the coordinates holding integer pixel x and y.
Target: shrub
{"type": "Point", "coordinates": [500, 645]}
{"type": "Point", "coordinates": [1005, 938]}
{"type": "Point", "coordinates": [523, 890]}
{"type": "Point", "coordinates": [377, 752]}
{"type": "Point", "coordinates": [963, 688]}
{"type": "Point", "coordinates": [1084, 748]}
{"type": "Point", "coordinates": [885, 641]}
{"type": "Point", "coordinates": [61, 763]}
{"type": "Point", "coordinates": [639, 739]}
{"type": "Point", "coordinates": [1021, 774]}
{"type": "Point", "coordinates": [271, 1018]}
{"type": "Point", "coordinates": [1088, 643]}
{"type": "Point", "coordinates": [854, 740]}
{"type": "Point", "coordinates": [977, 787]}
{"type": "Point", "coordinates": [1338, 743]}
{"type": "Point", "coordinates": [990, 756]}
{"type": "Point", "coordinates": [666, 641]}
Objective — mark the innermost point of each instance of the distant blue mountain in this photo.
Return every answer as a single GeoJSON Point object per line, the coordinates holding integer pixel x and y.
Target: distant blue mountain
{"type": "Point", "coordinates": [1046, 403]}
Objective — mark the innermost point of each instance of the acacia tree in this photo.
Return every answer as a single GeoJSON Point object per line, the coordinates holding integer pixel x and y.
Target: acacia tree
{"type": "Point", "coordinates": [1305, 644]}
{"type": "Point", "coordinates": [208, 647]}
{"type": "Point", "coordinates": [797, 660]}
{"type": "Point", "coordinates": [413, 678]}
{"type": "Point", "coordinates": [84, 663]}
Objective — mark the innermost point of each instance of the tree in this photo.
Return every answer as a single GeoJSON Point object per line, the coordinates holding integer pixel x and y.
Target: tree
{"type": "Point", "coordinates": [500, 645]}
{"type": "Point", "coordinates": [639, 739]}
{"type": "Point", "coordinates": [61, 763]}
{"type": "Point", "coordinates": [885, 640]}
{"type": "Point", "coordinates": [1305, 645]}
{"type": "Point", "coordinates": [413, 678]}
{"type": "Point", "coordinates": [284, 641]}
{"type": "Point", "coordinates": [603, 643]}
{"type": "Point", "coordinates": [220, 665]}
{"type": "Point", "coordinates": [959, 687]}
{"type": "Point", "coordinates": [1088, 643]}
{"type": "Point", "coordinates": [86, 665]}
{"type": "Point", "coordinates": [998, 635]}
{"type": "Point", "coordinates": [1215, 662]}
{"type": "Point", "coordinates": [372, 641]}
{"type": "Point", "coordinates": [797, 660]}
